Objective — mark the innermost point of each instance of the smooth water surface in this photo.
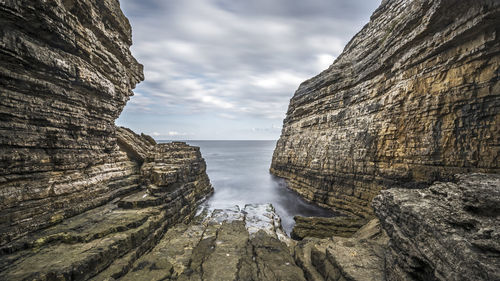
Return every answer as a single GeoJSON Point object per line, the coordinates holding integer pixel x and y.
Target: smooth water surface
{"type": "Point", "coordinates": [239, 172]}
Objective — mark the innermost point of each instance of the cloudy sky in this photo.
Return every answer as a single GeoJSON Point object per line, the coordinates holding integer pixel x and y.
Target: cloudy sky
{"type": "Point", "coordinates": [226, 69]}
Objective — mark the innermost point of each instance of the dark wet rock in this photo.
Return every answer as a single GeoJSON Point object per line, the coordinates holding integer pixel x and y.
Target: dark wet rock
{"type": "Point", "coordinates": [319, 227]}
{"type": "Point", "coordinates": [449, 231]}
{"type": "Point", "coordinates": [412, 99]}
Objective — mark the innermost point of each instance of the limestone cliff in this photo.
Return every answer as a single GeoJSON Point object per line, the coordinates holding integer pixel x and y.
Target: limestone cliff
{"type": "Point", "coordinates": [79, 196]}
{"type": "Point", "coordinates": [66, 73]}
{"type": "Point", "coordinates": [108, 239]}
{"type": "Point", "coordinates": [413, 98]}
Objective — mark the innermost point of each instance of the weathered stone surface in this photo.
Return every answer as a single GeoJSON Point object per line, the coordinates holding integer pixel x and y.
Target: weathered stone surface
{"type": "Point", "coordinates": [108, 239]}
{"type": "Point", "coordinates": [136, 146]}
{"type": "Point", "coordinates": [169, 163]}
{"type": "Point", "coordinates": [76, 194]}
{"type": "Point", "coordinates": [360, 257]}
{"type": "Point", "coordinates": [230, 244]}
{"type": "Point", "coordinates": [449, 231]}
{"type": "Point", "coordinates": [66, 73]}
{"type": "Point", "coordinates": [325, 227]}
{"type": "Point", "coordinates": [412, 99]}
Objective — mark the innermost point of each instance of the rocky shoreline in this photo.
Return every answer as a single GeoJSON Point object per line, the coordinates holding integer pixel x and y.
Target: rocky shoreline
{"type": "Point", "coordinates": [403, 127]}
{"type": "Point", "coordinates": [412, 99]}
{"type": "Point", "coordinates": [400, 134]}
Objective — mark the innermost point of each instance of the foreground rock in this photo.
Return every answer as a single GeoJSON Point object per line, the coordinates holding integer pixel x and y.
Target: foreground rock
{"type": "Point", "coordinates": [358, 258]}
{"type": "Point", "coordinates": [230, 244]}
{"type": "Point", "coordinates": [412, 99]}
{"type": "Point", "coordinates": [320, 227]}
{"type": "Point", "coordinates": [108, 239]}
{"type": "Point", "coordinates": [136, 146]}
{"type": "Point", "coordinates": [449, 231]}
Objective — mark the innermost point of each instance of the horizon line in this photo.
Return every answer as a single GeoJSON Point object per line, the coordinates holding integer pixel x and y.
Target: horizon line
{"type": "Point", "coordinates": [214, 140]}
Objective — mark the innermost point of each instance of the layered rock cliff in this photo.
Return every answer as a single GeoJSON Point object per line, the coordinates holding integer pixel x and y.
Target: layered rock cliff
{"type": "Point", "coordinates": [409, 111]}
{"type": "Point", "coordinates": [413, 98]}
{"type": "Point", "coordinates": [77, 194]}
{"type": "Point", "coordinates": [107, 240]}
{"type": "Point", "coordinates": [65, 76]}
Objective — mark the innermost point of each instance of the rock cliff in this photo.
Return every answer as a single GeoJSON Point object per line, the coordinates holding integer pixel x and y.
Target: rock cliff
{"type": "Point", "coordinates": [409, 111]}
{"type": "Point", "coordinates": [108, 239]}
{"type": "Point", "coordinates": [65, 76]}
{"type": "Point", "coordinates": [77, 194]}
{"type": "Point", "coordinates": [413, 98]}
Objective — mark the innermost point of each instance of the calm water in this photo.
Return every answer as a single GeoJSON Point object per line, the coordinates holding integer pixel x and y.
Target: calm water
{"type": "Point", "coordinates": [239, 172]}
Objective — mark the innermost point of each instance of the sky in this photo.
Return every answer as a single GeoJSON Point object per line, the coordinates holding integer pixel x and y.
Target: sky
{"type": "Point", "coordinates": [226, 69]}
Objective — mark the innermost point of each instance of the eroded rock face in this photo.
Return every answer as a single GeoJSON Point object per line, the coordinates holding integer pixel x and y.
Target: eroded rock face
{"type": "Point", "coordinates": [412, 99]}
{"type": "Point", "coordinates": [66, 73]}
{"type": "Point", "coordinates": [231, 244]}
{"type": "Point", "coordinates": [107, 240]}
{"type": "Point", "coordinates": [136, 146]}
{"type": "Point", "coordinates": [78, 195]}
{"type": "Point", "coordinates": [168, 163]}
{"type": "Point", "coordinates": [449, 231]}
{"type": "Point", "coordinates": [318, 227]}
{"type": "Point", "coordinates": [357, 258]}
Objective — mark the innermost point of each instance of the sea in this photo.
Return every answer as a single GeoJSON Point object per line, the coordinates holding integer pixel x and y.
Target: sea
{"type": "Point", "coordinates": [239, 173]}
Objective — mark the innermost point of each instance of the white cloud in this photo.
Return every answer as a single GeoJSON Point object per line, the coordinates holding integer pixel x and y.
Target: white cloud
{"type": "Point", "coordinates": [273, 128]}
{"type": "Point", "coordinates": [226, 116]}
{"type": "Point", "coordinates": [278, 80]}
{"type": "Point", "coordinates": [174, 133]}
{"type": "Point", "coordinates": [234, 60]}
{"type": "Point", "coordinates": [140, 102]}
{"type": "Point", "coordinates": [323, 61]}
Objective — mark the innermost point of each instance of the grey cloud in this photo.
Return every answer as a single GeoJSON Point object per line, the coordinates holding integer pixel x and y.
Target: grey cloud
{"type": "Point", "coordinates": [235, 58]}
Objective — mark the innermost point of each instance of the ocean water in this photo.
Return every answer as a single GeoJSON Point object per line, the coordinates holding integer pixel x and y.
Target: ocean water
{"type": "Point", "coordinates": [239, 172]}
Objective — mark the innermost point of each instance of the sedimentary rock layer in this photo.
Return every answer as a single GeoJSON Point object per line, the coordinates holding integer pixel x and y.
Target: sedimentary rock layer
{"type": "Point", "coordinates": [230, 244]}
{"type": "Point", "coordinates": [136, 146]}
{"type": "Point", "coordinates": [325, 227]}
{"type": "Point", "coordinates": [66, 73]}
{"type": "Point", "coordinates": [110, 243]}
{"type": "Point", "coordinates": [413, 98]}
{"type": "Point", "coordinates": [449, 231]}
{"type": "Point", "coordinates": [358, 258]}
{"type": "Point", "coordinates": [108, 239]}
